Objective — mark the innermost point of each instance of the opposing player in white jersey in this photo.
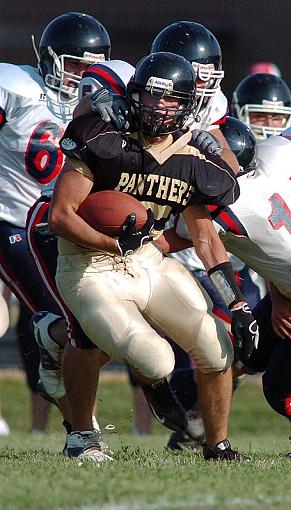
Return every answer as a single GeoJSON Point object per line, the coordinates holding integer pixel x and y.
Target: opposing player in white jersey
{"type": "Point", "coordinates": [257, 229]}
{"type": "Point", "coordinates": [36, 103]}
{"type": "Point", "coordinates": [113, 74]}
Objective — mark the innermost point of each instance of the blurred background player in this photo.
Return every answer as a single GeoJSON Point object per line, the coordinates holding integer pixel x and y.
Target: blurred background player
{"type": "Point", "coordinates": [263, 103]}
{"type": "Point", "coordinates": [265, 68]}
{"type": "Point", "coordinates": [36, 104]}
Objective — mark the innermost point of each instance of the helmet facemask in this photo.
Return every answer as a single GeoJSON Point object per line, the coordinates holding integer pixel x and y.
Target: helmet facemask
{"type": "Point", "coordinates": [158, 120]}
{"type": "Point", "coordinates": [211, 77]}
{"type": "Point", "coordinates": [273, 108]}
{"type": "Point", "coordinates": [56, 80]}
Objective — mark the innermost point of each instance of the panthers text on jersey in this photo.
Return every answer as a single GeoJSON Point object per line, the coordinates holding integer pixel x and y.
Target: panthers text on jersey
{"type": "Point", "coordinates": [166, 178]}
{"type": "Point", "coordinates": [32, 122]}
{"type": "Point", "coordinates": [257, 227]}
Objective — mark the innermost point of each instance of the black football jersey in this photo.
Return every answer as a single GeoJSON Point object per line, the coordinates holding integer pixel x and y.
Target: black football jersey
{"type": "Point", "coordinates": [166, 180]}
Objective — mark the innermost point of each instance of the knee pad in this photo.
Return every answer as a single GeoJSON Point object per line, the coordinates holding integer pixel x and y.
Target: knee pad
{"type": "Point", "coordinates": [153, 358]}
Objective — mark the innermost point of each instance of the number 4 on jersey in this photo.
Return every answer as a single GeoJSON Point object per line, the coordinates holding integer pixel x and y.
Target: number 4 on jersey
{"type": "Point", "coordinates": [281, 214]}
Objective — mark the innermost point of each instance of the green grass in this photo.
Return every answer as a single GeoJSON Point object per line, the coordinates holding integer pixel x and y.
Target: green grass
{"type": "Point", "coordinates": [143, 476]}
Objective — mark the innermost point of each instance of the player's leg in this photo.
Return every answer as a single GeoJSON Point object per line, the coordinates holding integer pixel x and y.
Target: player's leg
{"type": "Point", "coordinates": [30, 356]}
{"type": "Point", "coordinates": [18, 272]}
{"type": "Point", "coordinates": [4, 324]}
{"type": "Point", "coordinates": [52, 335]}
{"type": "Point", "coordinates": [273, 357]}
{"type": "Point", "coordinates": [203, 336]}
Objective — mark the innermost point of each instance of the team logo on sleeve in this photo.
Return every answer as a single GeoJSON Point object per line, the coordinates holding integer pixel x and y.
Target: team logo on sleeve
{"type": "Point", "coordinates": [68, 144]}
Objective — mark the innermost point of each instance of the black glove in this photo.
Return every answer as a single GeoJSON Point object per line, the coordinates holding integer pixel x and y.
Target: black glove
{"type": "Point", "coordinates": [130, 239]}
{"type": "Point", "coordinates": [245, 332]}
{"type": "Point", "coordinates": [110, 107]}
{"type": "Point", "coordinates": [206, 142]}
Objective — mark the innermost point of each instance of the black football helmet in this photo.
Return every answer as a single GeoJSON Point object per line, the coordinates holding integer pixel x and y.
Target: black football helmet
{"type": "Point", "coordinates": [262, 93]}
{"type": "Point", "coordinates": [162, 75]}
{"type": "Point", "coordinates": [242, 142]}
{"type": "Point", "coordinates": [74, 36]}
{"type": "Point", "coordinates": [198, 45]}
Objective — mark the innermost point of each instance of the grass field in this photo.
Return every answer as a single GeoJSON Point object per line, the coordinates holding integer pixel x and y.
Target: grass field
{"type": "Point", "coordinates": [143, 476]}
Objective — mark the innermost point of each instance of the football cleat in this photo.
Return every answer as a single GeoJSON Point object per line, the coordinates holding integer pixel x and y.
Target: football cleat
{"type": "Point", "coordinates": [165, 406]}
{"type": "Point", "coordinates": [85, 444]}
{"type": "Point", "coordinates": [51, 383]}
{"type": "Point", "coordinates": [223, 451]}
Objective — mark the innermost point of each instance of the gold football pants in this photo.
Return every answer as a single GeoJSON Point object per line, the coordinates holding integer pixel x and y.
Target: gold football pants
{"type": "Point", "coordinates": [122, 302]}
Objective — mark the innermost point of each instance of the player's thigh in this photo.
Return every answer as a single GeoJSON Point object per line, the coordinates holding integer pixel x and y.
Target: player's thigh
{"type": "Point", "coordinates": [18, 270]}
{"type": "Point", "coordinates": [178, 307]}
{"type": "Point", "coordinates": [114, 323]}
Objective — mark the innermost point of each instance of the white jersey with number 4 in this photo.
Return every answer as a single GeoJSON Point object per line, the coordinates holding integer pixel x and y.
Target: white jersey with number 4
{"type": "Point", "coordinates": [31, 123]}
{"type": "Point", "coordinates": [257, 227]}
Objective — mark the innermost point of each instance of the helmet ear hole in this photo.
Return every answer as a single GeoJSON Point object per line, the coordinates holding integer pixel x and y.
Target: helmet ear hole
{"type": "Point", "coordinates": [76, 36]}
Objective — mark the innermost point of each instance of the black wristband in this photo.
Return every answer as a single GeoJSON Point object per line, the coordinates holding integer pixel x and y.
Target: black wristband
{"type": "Point", "coordinates": [222, 276]}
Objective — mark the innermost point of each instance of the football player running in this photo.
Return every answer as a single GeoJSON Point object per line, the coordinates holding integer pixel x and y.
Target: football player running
{"type": "Point", "coordinates": [161, 96]}
{"type": "Point", "coordinates": [198, 45]}
{"type": "Point", "coordinates": [36, 104]}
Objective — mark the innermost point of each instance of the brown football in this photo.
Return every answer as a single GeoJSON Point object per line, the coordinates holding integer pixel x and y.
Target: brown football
{"type": "Point", "coordinates": [107, 211]}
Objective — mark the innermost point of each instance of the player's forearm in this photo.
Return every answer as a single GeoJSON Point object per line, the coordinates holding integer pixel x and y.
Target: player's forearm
{"type": "Point", "coordinates": [210, 250]}
{"type": "Point", "coordinates": [67, 224]}
{"type": "Point", "coordinates": [170, 242]}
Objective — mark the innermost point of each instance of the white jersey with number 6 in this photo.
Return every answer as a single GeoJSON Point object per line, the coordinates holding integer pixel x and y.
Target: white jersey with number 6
{"type": "Point", "coordinates": [31, 124]}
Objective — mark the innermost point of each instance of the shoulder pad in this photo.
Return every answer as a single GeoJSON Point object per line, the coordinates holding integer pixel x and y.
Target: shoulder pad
{"type": "Point", "coordinates": [21, 80]}
{"type": "Point", "coordinates": [114, 75]}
